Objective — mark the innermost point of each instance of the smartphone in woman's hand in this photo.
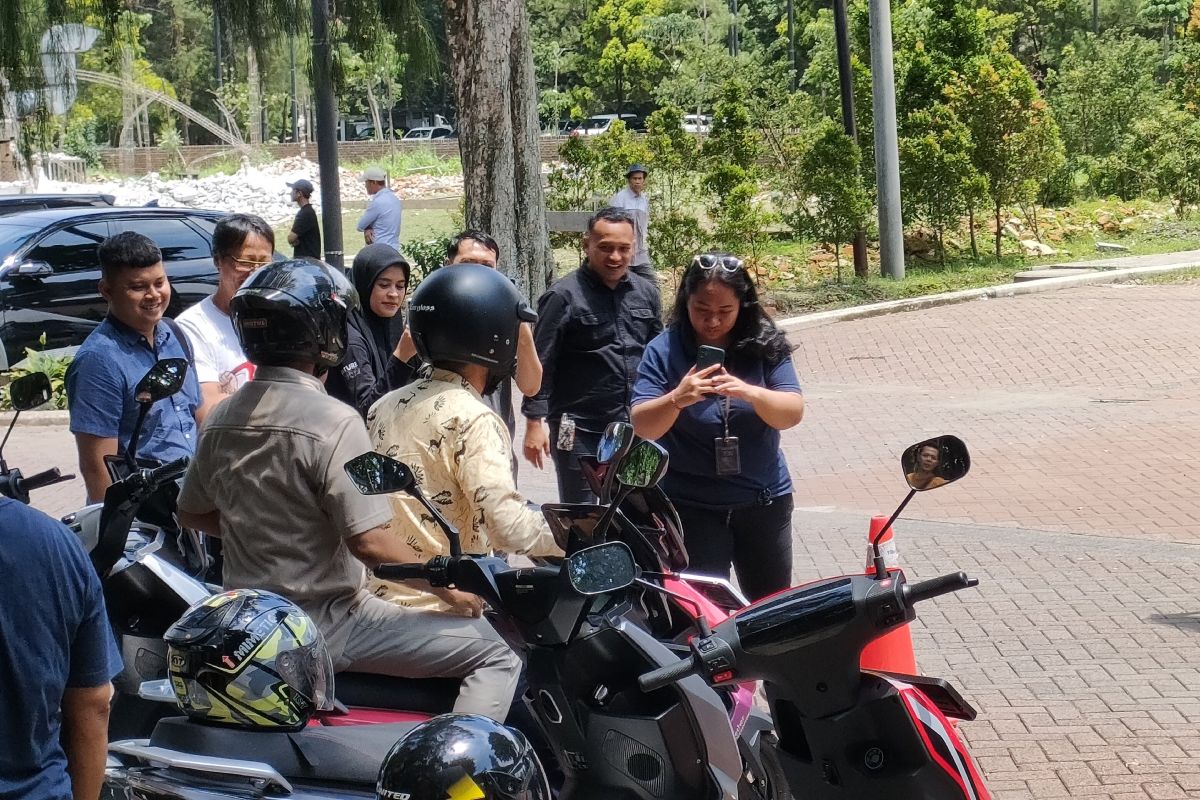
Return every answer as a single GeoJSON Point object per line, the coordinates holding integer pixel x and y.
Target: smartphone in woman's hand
{"type": "Point", "coordinates": [707, 356]}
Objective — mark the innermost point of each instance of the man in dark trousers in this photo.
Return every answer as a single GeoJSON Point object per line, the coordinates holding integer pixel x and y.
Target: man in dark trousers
{"type": "Point", "coordinates": [591, 330]}
{"type": "Point", "coordinates": [57, 661]}
{"type": "Point", "coordinates": [305, 237]}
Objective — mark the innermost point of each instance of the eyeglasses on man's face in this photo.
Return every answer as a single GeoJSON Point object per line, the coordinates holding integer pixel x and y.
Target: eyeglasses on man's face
{"type": "Point", "coordinates": [708, 262]}
{"type": "Point", "coordinates": [247, 265]}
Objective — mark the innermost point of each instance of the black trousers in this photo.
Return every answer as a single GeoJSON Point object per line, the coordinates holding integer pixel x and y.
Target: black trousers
{"type": "Point", "coordinates": [755, 540]}
{"type": "Point", "coordinates": [572, 487]}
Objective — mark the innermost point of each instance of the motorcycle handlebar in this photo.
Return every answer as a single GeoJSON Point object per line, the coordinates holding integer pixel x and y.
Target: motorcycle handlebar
{"type": "Point", "coordinates": [657, 679]}
{"type": "Point", "coordinates": [44, 478]}
{"type": "Point", "coordinates": [927, 590]}
{"type": "Point", "coordinates": [400, 572]}
{"type": "Point", "coordinates": [169, 471]}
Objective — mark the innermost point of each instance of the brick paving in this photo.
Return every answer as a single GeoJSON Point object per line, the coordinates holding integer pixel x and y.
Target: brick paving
{"type": "Point", "coordinates": [1080, 516]}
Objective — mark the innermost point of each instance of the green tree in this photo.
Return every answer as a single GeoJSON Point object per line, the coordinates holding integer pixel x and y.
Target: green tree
{"type": "Point", "coordinates": [617, 61]}
{"type": "Point", "coordinates": [1165, 149]}
{"type": "Point", "coordinates": [731, 154]}
{"type": "Point", "coordinates": [675, 233]}
{"type": "Point", "coordinates": [839, 199]}
{"type": "Point", "coordinates": [1010, 125]}
{"type": "Point", "coordinates": [937, 176]}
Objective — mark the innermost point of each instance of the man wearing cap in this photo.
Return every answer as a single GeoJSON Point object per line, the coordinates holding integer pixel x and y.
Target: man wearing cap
{"type": "Point", "coordinates": [380, 223]}
{"type": "Point", "coordinates": [633, 199]}
{"type": "Point", "coordinates": [305, 237]}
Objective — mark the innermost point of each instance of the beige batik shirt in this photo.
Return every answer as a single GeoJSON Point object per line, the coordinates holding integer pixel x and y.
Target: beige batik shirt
{"type": "Point", "coordinates": [461, 455]}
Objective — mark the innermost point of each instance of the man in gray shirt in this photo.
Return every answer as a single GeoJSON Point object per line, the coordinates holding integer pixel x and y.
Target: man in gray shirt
{"type": "Point", "coordinates": [380, 223]}
{"type": "Point", "coordinates": [268, 478]}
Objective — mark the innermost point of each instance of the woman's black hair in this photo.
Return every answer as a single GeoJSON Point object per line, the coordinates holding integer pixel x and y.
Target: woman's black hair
{"type": "Point", "coordinates": [754, 335]}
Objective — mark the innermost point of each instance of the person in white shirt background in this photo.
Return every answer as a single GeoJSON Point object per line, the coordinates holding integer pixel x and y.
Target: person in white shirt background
{"type": "Point", "coordinates": [380, 223]}
{"type": "Point", "coordinates": [241, 244]}
{"type": "Point", "coordinates": [634, 200]}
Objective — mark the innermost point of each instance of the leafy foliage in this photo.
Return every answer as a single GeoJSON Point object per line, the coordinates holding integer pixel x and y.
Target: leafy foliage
{"type": "Point", "coordinates": [53, 364]}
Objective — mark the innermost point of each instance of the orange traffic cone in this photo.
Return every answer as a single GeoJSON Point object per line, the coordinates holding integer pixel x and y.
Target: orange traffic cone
{"type": "Point", "coordinates": [892, 652]}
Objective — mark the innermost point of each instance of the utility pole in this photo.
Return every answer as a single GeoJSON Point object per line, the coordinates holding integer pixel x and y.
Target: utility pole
{"type": "Point", "coordinates": [733, 28]}
{"type": "Point", "coordinates": [841, 28]}
{"type": "Point", "coordinates": [295, 90]}
{"type": "Point", "coordinates": [887, 153]}
{"type": "Point", "coordinates": [326, 125]}
{"type": "Point", "coordinates": [217, 55]}
{"type": "Point", "coordinates": [1096, 17]}
{"type": "Point", "coordinates": [791, 37]}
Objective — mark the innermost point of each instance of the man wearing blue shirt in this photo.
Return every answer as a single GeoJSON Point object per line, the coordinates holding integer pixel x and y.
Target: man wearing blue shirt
{"type": "Point", "coordinates": [56, 665]}
{"type": "Point", "coordinates": [112, 360]}
{"type": "Point", "coordinates": [380, 223]}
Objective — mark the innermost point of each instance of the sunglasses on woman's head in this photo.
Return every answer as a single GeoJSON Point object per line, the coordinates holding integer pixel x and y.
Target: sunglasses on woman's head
{"type": "Point", "coordinates": [708, 263]}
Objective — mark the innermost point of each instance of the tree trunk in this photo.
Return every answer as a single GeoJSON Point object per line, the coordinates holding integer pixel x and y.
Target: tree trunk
{"type": "Point", "coordinates": [971, 225]}
{"type": "Point", "coordinates": [254, 97]}
{"type": "Point", "coordinates": [373, 104]}
{"type": "Point", "coordinates": [491, 64]}
{"type": "Point", "coordinates": [998, 231]}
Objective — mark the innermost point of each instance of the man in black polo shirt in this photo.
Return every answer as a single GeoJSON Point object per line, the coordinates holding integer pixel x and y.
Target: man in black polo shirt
{"type": "Point", "coordinates": [592, 328]}
{"type": "Point", "coordinates": [305, 236]}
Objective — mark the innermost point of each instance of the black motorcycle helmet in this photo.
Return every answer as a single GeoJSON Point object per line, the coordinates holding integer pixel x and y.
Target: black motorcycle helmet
{"type": "Point", "coordinates": [468, 314]}
{"type": "Point", "coordinates": [462, 756]}
{"type": "Point", "coordinates": [294, 311]}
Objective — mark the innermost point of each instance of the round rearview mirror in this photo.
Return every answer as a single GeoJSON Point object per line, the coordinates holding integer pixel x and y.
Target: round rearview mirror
{"type": "Point", "coordinates": [164, 379]}
{"type": "Point", "coordinates": [601, 569]}
{"type": "Point", "coordinates": [375, 473]}
{"type": "Point", "coordinates": [617, 439]}
{"type": "Point", "coordinates": [935, 462]}
{"type": "Point", "coordinates": [644, 465]}
{"type": "Point", "coordinates": [29, 391]}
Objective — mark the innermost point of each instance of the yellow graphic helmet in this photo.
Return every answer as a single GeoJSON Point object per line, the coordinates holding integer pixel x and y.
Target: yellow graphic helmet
{"type": "Point", "coordinates": [249, 659]}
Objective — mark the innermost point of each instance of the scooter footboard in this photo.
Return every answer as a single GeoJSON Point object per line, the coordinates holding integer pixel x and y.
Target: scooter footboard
{"type": "Point", "coordinates": [893, 743]}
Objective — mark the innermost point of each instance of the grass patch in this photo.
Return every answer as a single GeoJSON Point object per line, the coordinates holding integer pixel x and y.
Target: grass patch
{"type": "Point", "coordinates": [410, 160]}
{"type": "Point", "coordinates": [417, 224]}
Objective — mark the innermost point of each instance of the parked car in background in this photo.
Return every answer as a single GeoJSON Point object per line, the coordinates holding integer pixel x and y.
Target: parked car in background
{"type": "Point", "coordinates": [600, 123]}
{"type": "Point", "coordinates": [431, 132]}
{"type": "Point", "coordinates": [697, 123]}
{"type": "Point", "coordinates": [49, 269]}
{"type": "Point", "coordinates": [15, 203]}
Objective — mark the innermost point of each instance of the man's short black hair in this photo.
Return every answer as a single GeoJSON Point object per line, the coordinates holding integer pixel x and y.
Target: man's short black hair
{"type": "Point", "coordinates": [475, 236]}
{"type": "Point", "coordinates": [232, 231]}
{"type": "Point", "coordinates": [127, 250]}
{"type": "Point", "coordinates": [610, 214]}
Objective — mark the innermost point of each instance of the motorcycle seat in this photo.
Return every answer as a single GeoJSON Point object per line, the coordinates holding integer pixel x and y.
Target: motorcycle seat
{"type": "Point", "coordinates": [349, 754]}
{"type": "Point", "coordinates": [368, 690]}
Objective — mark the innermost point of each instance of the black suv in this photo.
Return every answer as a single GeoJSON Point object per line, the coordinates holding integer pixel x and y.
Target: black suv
{"type": "Point", "coordinates": [49, 269]}
{"type": "Point", "coordinates": [16, 203]}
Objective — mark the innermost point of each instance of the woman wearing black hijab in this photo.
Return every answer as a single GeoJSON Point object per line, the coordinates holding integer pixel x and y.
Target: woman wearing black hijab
{"type": "Point", "coordinates": [370, 368]}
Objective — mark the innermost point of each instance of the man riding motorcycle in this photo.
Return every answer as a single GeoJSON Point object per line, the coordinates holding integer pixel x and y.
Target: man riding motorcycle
{"type": "Point", "coordinates": [268, 479]}
{"type": "Point", "coordinates": [464, 322]}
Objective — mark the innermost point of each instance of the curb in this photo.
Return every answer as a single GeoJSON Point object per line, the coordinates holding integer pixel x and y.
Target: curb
{"type": "Point", "coordinates": [986, 293]}
{"type": "Point", "coordinates": [41, 419]}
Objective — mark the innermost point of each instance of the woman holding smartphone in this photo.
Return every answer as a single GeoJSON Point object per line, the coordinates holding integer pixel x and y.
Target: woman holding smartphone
{"type": "Point", "coordinates": [720, 423]}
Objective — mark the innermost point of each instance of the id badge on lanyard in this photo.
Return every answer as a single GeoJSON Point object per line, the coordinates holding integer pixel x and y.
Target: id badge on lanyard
{"type": "Point", "coordinates": [729, 457]}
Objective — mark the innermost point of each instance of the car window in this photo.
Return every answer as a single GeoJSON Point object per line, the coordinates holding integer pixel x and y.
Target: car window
{"type": "Point", "coordinates": [71, 249]}
{"type": "Point", "coordinates": [177, 240]}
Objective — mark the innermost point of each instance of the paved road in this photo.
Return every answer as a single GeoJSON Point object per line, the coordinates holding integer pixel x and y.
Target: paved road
{"type": "Point", "coordinates": [1080, 515]}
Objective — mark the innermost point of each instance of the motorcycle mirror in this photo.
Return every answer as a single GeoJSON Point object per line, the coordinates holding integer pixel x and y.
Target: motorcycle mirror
{"type": "Point", "coordinates": [935, 462]}
{"type": "Point", "coordinates": [601, 569]}
{"type": "Point", "coordinates": [163, 380]}
{"type": "Point", "coordinates": [375, 473]}
{"type": "Point", "coordinates": [643, 466]}
{"type": "Point", "coordinates": [29, 391]}
{"type": "Point", "coordinates": [615, 443]}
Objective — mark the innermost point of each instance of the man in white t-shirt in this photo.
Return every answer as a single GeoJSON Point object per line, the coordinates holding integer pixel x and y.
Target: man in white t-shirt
{"type": "Point", "coordinates": [241, 244]}
{"type": "Point", "coordinates": [634, 200]}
